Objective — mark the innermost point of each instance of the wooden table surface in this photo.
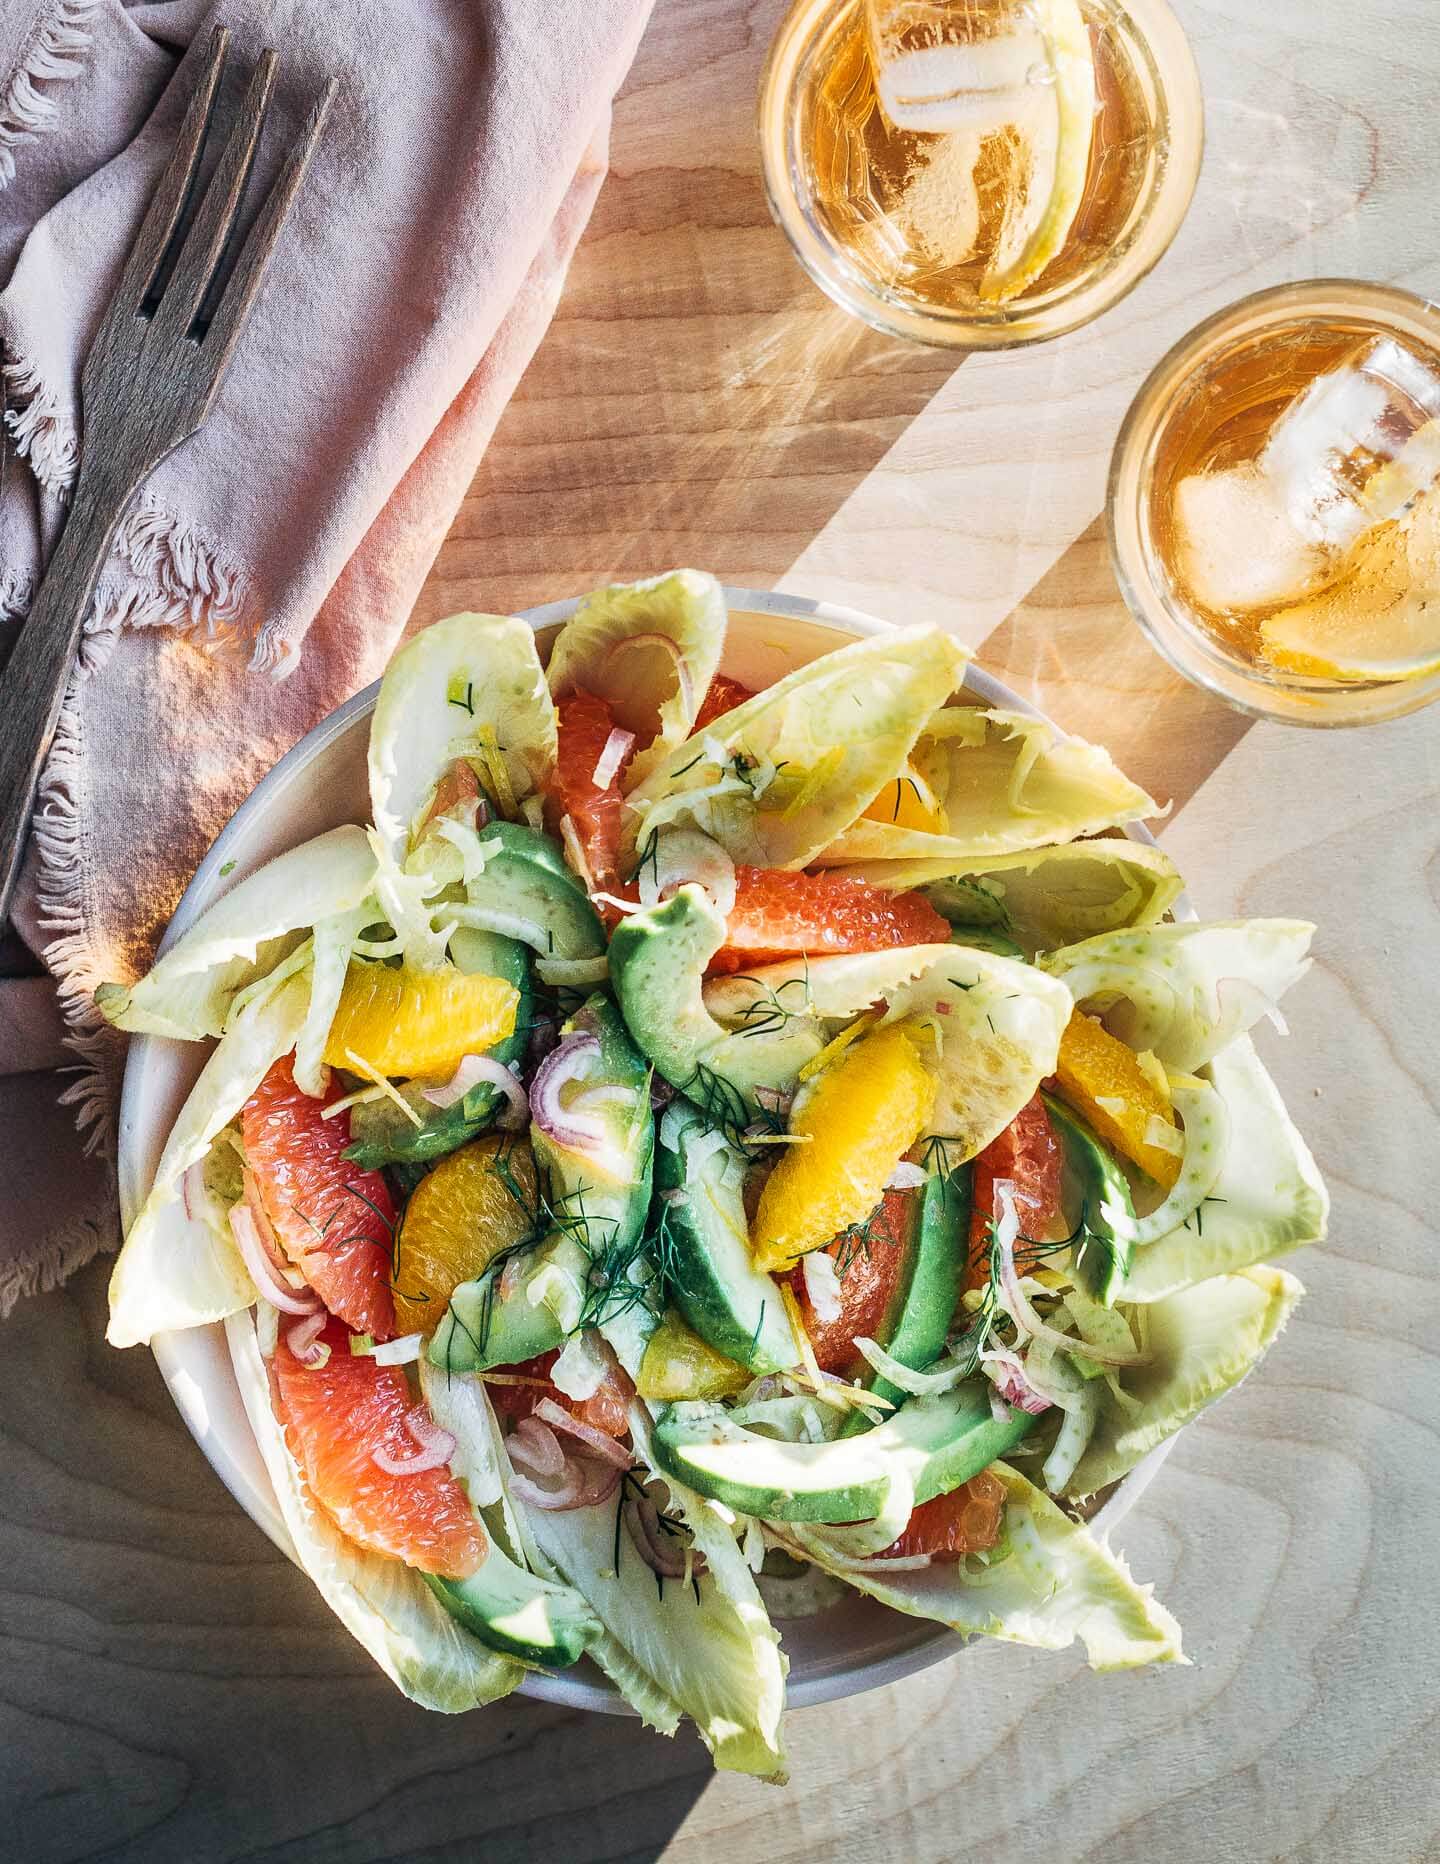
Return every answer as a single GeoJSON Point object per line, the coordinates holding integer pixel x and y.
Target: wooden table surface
{"type": "Point", "coordinates": [171, 1689]}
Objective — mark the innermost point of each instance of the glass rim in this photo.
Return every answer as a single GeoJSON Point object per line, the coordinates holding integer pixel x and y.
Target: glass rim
{"type": "Point", "coordinates": [1080, 301]}
{"type": "Point", "coordinates": [1263, 693]}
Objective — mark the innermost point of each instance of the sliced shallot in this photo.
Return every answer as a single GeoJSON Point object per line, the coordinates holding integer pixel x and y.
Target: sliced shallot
{"type": "Point", "coordinates": [601, 1445]}
{"type": "Point", "coordinates": [618, 747]}
{"type": "Point", "coordinates": [471, 1071]}
{"type": "Point", "coordinates": [580, 1132]}
{"type": "Point", "coordinates": [257, 1260]}
{"type": "Point", "coordinates": [305, 1343]}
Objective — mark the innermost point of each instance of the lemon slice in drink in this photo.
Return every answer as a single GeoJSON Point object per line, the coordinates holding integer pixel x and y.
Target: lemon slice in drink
{"type": "Point", "coordinates": [1056, 132]}
{"type": "Point", "coordinates": [1380, 618]}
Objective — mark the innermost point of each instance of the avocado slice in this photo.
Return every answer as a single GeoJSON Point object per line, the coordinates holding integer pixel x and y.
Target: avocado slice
{"type": "Point", "coordinates": [596, 1218]}
{"type": "Point", "coordinates": [918, 1322]}
{"type": "Point", "coordinates": [657, 968]}
{"type": "Point", "coordinates": [1092, 1185]}
{"type": "Point", "coordinates": [936, 1443]}
{"type": "Point", "coordinates": [706, 1261]}
{"type": "Point", "coordinates": [518, 1613]}
{"type": "Point", "coordinates": [526, 891]}
{"type": "Point", "coordinates": [381, 1133]}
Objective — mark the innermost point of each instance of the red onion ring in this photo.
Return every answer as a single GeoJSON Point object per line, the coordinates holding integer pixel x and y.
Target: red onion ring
{"type": "Point", "coordinates": [643, 1520]}
{"type": "Point", "coordinates": [192, 1188]}
{"type": "Point", "coordinates": [303, 1340]}
{"type": "Point", "coordinates": [603, 1446]}
{"type": "Point", "coordinates": [577, 1131]}
{"type": "Point", "coordinates": [256, 1258]}
{"type": "Point", "coordinates": [1017, 1304]}
{"type": "Point", "coordinates": [470, 1072]}
{"type": "Point", "coordinates": [436, 1448]}
{"type": "Point", "coordinates": [536, 1446]}
{"type": "Point", "coordinates": [552, 1500]}
{"type": "Point", "coordinates": [672, 648]}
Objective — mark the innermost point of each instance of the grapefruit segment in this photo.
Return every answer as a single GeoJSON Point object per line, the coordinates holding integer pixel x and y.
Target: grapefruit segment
{"type": "Point", "coordinates": [335, 1418]}
{"type": "Point", "coordinates": [967, 1520]}
{"type": "Point", "coordinates": [778, 915]}
{"type": "Point", "coordinates": [1026, 1155]}
{"type": "Point", "coordinates": [869, 1261]}
{"type": "Point", "coordinates": [585, 724]}
{"type": "Point", "coordinates": [607, 1408]}
{"type": "Point", "coordinates": [724, 695]}
{"type": "Point", "coordinates": [333, 1220]}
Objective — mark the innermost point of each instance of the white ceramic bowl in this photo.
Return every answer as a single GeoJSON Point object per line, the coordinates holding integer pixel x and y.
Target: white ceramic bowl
{"type": "Point", "coordinates": [857, 1644]}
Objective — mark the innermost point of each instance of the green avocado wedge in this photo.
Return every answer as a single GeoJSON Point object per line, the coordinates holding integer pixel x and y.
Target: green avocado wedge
{"type": "Point", "coordinates": [519, 1614]}
{"type": "Point", "coordinates": [526, 891]}
{"type": "Point", "coordinates": [595, 1207]}
{"type": "Point", "coordinates": [931, 1445]}
{"type": "Point", "coordinates": [1094, 1192]}
{"type": "Point", "coordinates": [657, 968]}
{"type": "Point", "coordinates": [383, 1136]}
{"type": "Point", "coordinates": [710, 1274]}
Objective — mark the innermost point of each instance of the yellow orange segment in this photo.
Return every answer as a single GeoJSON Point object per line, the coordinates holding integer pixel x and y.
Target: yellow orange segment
{"type": "Point", "coordinates": [908, 802]}
{"type": "Point", "coordinates": [678, 1365]}
{"type": "Point", "coordinates": [404, 1022]}
{"type": "Point", "coordinates": [479, 1200]}
{"type": "Point", "coordinates": [1102, 1079]}
{"type": "Point", "coordinates": [859, 1120]}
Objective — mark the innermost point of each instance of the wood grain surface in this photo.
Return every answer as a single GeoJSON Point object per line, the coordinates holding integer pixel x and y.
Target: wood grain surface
{"type": "Point", "coordinates": [171, 1689]}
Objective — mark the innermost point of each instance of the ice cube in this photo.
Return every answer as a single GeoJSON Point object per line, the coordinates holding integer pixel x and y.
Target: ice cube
{"type": "Point", "coordinates": [1349, 452]}
{"type": "Point", "coordinates": [1237, 547]}
{"type": "Point", "coordinates": [1330, 444]}
{"type": "Point", "coordinates": [980, 85]}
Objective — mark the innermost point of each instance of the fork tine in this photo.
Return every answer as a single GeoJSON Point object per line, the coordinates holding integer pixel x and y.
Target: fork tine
{"type": "Point", "coordinates": [230, 313]}
{"type": "Point", "coordinates": [167, 205]}
{"type": "Point", "coordinates": [204, 245]}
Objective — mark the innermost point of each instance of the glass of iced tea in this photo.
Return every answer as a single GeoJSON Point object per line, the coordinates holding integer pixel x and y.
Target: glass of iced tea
{"type": "Point", "coordinates": [1275, 504]}
{"type": "Point", "coordinates": [980, 173]}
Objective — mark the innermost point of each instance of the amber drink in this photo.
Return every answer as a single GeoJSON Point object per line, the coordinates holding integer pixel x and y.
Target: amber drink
{"type": "Point", "coordinates": [1275, 503]}
{"type": "Point", "coordinates": [979, 173]}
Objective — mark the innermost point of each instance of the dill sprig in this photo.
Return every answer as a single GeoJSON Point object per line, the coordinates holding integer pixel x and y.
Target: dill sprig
{"type": "Point", "coordinates": [769, 1012]}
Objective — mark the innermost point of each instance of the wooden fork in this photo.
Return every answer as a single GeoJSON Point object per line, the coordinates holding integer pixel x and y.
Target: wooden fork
{"type": "Point", "coordinates": [150, 379]}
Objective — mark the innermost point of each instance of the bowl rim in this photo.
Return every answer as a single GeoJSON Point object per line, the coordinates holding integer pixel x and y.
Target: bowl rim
{"type": "Point", "coordinates": [569, 1689]}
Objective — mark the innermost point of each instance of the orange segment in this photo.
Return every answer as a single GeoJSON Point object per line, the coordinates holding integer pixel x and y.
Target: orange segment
{"type": "Point", "coordinates": [678, 1364]}
{"type": "Point", "coordinates": [908, 802]}
{"type": "Point", "coordinates": [402, 1022]}
{"type": "Point", "coordinates": [859, 1120]}
{"type": "Point", "coordinates": [335, 1418]}
{"type": "Point", "coordinates": [1099, 1076]}
{"type": "Point", "coordinates": [478, 1201]}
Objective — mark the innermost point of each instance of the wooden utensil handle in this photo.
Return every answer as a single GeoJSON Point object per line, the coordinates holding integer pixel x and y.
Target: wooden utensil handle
{"type": "Point", "coordinates": [32, 685]}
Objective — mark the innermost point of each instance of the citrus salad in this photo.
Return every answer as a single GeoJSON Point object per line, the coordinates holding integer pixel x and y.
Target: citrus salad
{"type": "Point", "coordinates": [701, 1152]}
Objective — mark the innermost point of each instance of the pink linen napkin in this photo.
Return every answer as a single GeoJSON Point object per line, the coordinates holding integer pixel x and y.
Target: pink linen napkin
{"type": "Point", "coordinates": [268, 568]}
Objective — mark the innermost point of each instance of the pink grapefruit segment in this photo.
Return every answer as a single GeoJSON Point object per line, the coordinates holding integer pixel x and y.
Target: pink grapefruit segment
{"type": "Point", "coordinates": [334, 1221]}
{"type": "Point", "coordinates": [335, 1418]}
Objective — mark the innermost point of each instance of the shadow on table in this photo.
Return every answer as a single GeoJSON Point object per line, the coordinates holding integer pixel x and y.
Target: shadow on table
{"type": "Point", "coordinates": [684, 299]}
{"type": "Point", "coordinates": [172, 1688]}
